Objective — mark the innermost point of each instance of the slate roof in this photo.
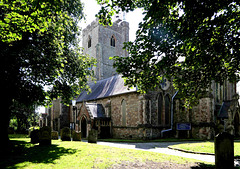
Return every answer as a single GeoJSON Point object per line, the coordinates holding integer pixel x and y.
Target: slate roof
{"type": "Point", "coordinates": [95, 110]}
{"type": "Point", "coordinates": [104, 88]}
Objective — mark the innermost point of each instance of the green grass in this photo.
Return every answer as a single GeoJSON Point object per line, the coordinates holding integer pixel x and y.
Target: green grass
{"type": "Point", "coordinates": [18, 136]}
{"type": "Point", "coordinates": [205, 147]}
{"type": "Point", "coordinates": [77, 155]}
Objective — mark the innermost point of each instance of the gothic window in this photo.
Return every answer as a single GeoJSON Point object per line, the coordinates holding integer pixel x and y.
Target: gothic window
{"type": "Point", "coordinates": [112, 41]}
{"type": "Point", "coordinates": [159, 108]}
{"type": "Point", "coordinates": [89, 42]}
{"type": "Point", "coordinates": [123, 109]}
{"type": "Point", "coordinates": [167, 110]}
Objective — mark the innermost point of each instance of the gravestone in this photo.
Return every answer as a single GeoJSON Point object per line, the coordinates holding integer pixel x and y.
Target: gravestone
{"type": "Point", "coordinates": [66, 134]}
{"type": "Point", "coordinates": [45, 136]}
{"type": "Point", "coordinates": [34, 135]}
{"type": "Point", "coordinates": [54, 135]}
{"type": "Point", "coordinates": [92, 136]}
{"type": "Point", "coordinates": [224, 151]}
{"type": "Point", "coordinates": [76, 136]}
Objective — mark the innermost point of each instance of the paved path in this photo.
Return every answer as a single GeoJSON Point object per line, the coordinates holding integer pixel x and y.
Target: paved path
{"type": "Point", "coordinates": [160, 148]}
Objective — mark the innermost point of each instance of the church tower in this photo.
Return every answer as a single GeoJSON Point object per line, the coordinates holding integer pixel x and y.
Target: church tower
{"type": "Point", "coordinates": [103, 42]}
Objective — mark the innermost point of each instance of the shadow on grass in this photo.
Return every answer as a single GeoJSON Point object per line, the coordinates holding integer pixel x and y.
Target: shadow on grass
{"type": "Point", "coordinates": [24, 151]}
{"type": "Point", "coordinates": [203, 166]}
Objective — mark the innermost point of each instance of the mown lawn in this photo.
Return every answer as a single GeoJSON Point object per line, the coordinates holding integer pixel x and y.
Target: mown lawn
{"type": "Point", "coordinates": [77, 155]}
{"type": "Point", "coordinates": [205, 147]}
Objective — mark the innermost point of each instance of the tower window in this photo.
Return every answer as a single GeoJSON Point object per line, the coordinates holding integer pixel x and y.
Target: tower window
{"type": "Point", "coordinates": [112, 41]}
{"type": "Point", "coordinates": [89, 42]}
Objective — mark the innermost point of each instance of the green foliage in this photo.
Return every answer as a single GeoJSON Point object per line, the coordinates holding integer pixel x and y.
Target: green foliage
{"type": "Point", "coordinates": [13, 124]}
{"type": "Point", "coordinates": [39, 47]}
{"type": "Point", "coordinates": [22, 117]}
{"type": "Point", "coordinates": [190, 42]}
{"type": "Point", "coordinates": [40, 55]}
{"type": "Point", "coordinates": [65, 134]}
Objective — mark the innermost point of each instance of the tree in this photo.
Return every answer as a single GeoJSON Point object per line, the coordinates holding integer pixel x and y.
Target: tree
{"type": "Point", "coordinates": [191, 42]}
{"type": "Point", "coordinates": [39, 47]}
{"type": "Point", "coordinates": [22, 117]}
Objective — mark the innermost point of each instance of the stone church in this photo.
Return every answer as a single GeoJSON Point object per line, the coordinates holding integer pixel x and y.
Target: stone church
{"type": "Point", "coordinates": [116, 111]}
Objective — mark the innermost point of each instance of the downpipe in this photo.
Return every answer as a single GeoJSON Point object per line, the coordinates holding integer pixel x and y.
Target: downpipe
{"type": "Point", "coordinates": [163, 131]}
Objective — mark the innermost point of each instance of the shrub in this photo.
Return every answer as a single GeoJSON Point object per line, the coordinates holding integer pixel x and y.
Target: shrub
{"type": "Point", "coordinates": [54, 135]}
{"type": "Point", "coordinates": [65, 134]}
{"type": "Point", "coordinates": [76, 136]}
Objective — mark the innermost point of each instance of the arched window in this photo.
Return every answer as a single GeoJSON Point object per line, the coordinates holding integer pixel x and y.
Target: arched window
{"type": "Point", "coordinates": [159, 108]}
{"type": "Point", "coordinates": [123, 110]}
{"type": "Point", "coordinates": [167, 110]}
{"type": "Point", "coordinates": [89, 41]}
{"type": "Point", "coordinates": [84, 127]}
{"type": "Point", "coordinates": [112, 41]}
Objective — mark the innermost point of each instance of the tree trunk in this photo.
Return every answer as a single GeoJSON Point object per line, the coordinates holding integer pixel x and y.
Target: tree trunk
{"type": "Point", "coordinates": [4, 124]}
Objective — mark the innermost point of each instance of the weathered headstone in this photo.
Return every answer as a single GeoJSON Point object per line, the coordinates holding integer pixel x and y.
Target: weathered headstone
{"type": "Point", "coordinates": [34, 135]}
{"type": "Point", "coordinates": [224, 151]}
{"type": "Point", "coordinates": [66, 134]}
{"type": "Point", "coordinates": [76, 136]}
{"type": "Point", "coordinates": [54, 135]}
{"type": "Point", "coordinates": [45, 136]}
{"type": "Point", "coordinates": [92, 136]}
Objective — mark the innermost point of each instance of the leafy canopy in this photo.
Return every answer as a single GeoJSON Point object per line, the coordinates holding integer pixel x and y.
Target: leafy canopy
{"type": "Point", "coordinates": [191, 42]}
{"type": "Point", "coordinates": [39, 48]}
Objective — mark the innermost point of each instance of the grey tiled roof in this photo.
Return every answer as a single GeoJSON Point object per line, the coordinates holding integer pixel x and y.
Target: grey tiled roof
{"type": "Point", "coordinates": [105, 88]}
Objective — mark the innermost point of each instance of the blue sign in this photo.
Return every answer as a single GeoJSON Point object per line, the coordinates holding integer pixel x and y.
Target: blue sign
{"type": "Point", "coordinates": [183, 126]}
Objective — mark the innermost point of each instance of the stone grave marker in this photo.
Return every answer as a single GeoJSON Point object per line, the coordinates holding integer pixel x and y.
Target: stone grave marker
{"type": "Point", "coordinates": [76, 136]}
{"type": "Point", "coordinates": [224, 151]}
{"type": "Point", "coordinates": [34, 135]}
{"type": "Point", "coordinates": [45, 136]}
{"type": "Point", "coordinates": [55, 135]}
{"type": "Point", "coordinates": [92, 136]}
{"type": "Point", "coordinates": [66, 134]}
